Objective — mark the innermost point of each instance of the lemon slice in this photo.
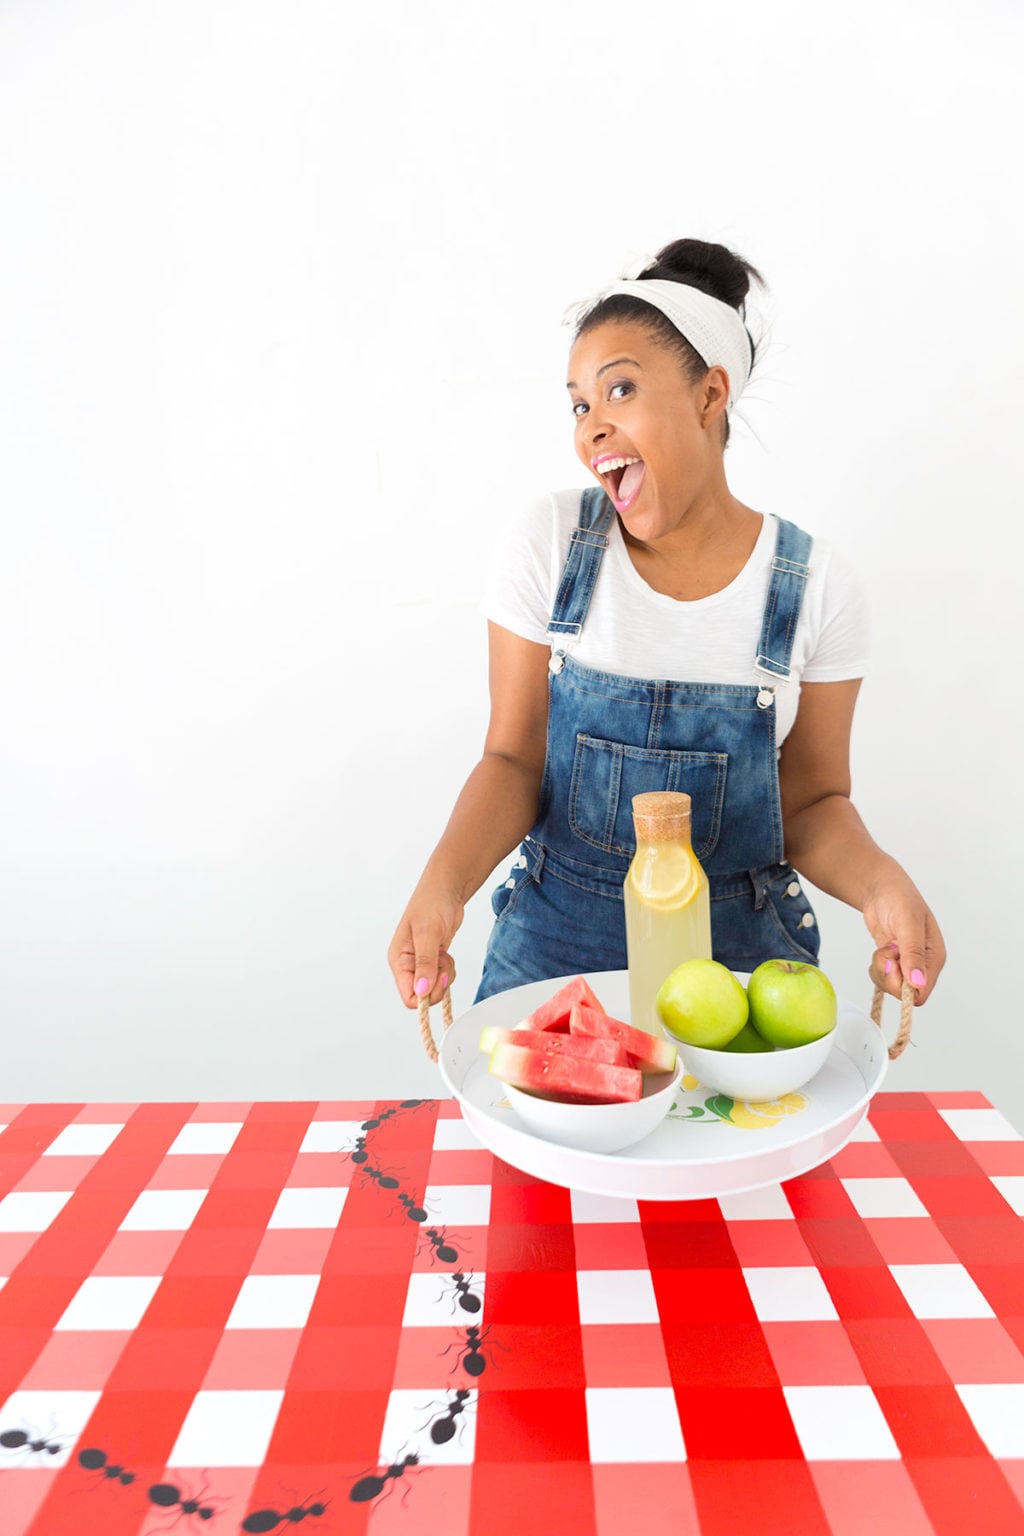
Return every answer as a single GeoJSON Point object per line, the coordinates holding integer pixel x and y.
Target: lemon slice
{"type": "Point", "coordinates": [666, 880]}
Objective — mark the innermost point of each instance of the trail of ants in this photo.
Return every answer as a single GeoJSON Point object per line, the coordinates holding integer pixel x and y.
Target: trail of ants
{"type": "Point", "coordinates": [374, 1483]}
{"type": "Point", "coordinates": [269, 1519]}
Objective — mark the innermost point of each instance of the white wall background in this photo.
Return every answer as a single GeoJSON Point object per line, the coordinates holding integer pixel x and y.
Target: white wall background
{"type": "Point", "coordinates": [280, 288]}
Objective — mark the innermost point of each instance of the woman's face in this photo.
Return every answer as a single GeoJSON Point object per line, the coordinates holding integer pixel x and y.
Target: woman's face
{"type": "Point", "coordinates": [633, 403]}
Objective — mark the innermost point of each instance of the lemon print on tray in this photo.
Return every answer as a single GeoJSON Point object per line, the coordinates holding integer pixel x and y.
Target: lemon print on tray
{"type": "Point", "coordinates": [750, 1116]}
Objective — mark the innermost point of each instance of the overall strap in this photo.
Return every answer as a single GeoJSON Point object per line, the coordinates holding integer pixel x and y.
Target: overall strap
{"type": "Point", "coordinates": [790, 569]}
{"type": "Point", "coordinates": [586, 551]}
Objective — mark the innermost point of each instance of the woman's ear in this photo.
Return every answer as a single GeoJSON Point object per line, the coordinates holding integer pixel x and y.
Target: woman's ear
{"type": "Point", "coordinates": [714, 396]}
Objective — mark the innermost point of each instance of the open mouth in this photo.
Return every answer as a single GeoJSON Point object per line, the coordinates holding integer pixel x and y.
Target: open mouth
{"type": "Point", "coordinates": [622, 478]}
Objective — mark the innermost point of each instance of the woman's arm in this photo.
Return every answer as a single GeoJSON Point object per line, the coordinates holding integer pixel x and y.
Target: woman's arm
{"type": "Point", "coordinates": [827, 841]}
{"type": "Point", "coordinates": [494, 811]}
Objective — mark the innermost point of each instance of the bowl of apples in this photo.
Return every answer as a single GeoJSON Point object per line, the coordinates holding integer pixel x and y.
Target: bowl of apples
{"type": "Point", "coordinates": [754, 1037]}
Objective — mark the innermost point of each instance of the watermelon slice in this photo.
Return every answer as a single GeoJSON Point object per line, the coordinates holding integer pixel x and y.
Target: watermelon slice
{"type": "Point", "coordinates": [588, 1047]}
{"type": "Point", "coordinates": [554, 1014]}
{"type": "Point", "coordinates": [647, 1052]}
{"type": "Point", "coordinates": [554, 1075]}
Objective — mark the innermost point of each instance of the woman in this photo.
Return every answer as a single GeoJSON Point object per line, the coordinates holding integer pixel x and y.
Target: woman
{"type": "Point", "coordinates": [653, 632]}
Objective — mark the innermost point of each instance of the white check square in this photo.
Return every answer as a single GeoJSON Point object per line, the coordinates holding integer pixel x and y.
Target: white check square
{"type": "Point", "coordinates": [1011, 1187]}
{"type": "Point", "coordinates": [273, 1301]}
{"type": "Point", "coordinates": [204, 1137]}
{"type": "Point", "coordinates": [840, 1424]}
{"type": "Point", "coordinates": [590, 1209]}
{"type": "Point", "coordinates": [83, 1140]}
{"type": "Point", "coordinates": [789, 1293]}
{"type": "Point", "coordinates": [455, 1136]}
{"type": "Point", "coordinates": [766, 1204]}
{"type": "Point", "coordinates": [940, 1290]}
{"type": "Point", "coordinates": [164, 1210]}
{"type": "Point", "coordinates": [633, 1424]}
{"type": "Point", "coordinates": [227, 1429]}
{"type": "Point", "coordinates": [442, 1420]}
{"type": "Point", "coordinates": [458, 1205]}
{"type": "Point", "coordinates": [979, 1125]}
{"type": "Point", "coordinates": [109, 1302]}
{"type": "Point", "coordinates": [332, 1136]}
{"type": "Point", "coordinates": [997, 1413]}
{"type": "Point", "coordinates": [884, 1197]}
{"type": "Point", "coordinates": [316, 1207]}
{"type": "Point", "coordinates": [616, 1296]}
{"type": "Point", "coordinates": [437, 1300]}
{"type": "Point", "coordinates": [32, 1210]}
{"type": "Point", "coordinates": [56, 1417]}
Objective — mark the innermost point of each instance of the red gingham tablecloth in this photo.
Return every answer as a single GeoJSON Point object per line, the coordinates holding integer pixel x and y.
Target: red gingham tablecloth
{"type": "Point", "coordinates": [247, 1317]}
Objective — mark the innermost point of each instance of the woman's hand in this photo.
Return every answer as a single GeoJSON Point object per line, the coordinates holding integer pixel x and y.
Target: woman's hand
{"type": "Point", "coordinates": [418, 954]}
{"type": "Point", "coordinates": [907, 938]}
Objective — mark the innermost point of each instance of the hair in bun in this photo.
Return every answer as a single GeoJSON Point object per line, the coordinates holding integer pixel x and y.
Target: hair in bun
{"type": "Point", "coordinates": [715, 270]}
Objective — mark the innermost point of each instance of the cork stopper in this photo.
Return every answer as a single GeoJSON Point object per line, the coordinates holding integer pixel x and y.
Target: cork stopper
{"type": "Point", "coordinates": [662, 816]}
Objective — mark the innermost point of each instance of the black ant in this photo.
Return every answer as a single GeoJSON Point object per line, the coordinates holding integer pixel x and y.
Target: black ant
{"type": "Point", "coordinates": [95, 1460]}
{"type": "Point", "coordinates": [472, 1359]}
{"type": "Point", "coordinates": [411, 1103]}
{"type": "Point", "coordinates": [166, 1495]}
{"type": "Point", "coordinates": [412, 1210]}
{"type": "Point", "coordinates": [443, 1427]}
{"type": "Point", "coordinates": [266, 1519]}
{"type": "Point", "coordinates": [369, 1487]}
{"type": "Point", "coordinates": [383, 1179]}
{"type": "Point", "coordinates": [465, 1298]}
{"type": "Point", "coordinates": [18, 1439]}
{"type": "Point", "coordinates": [371, 1125]}
{"type": "Point", "coordinates": [445, 1252]}
{"type": "Point", "coordinates": [360, 1154]}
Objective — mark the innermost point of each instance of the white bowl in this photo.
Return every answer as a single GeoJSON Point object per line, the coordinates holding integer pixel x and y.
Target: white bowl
{"type": "Point", "coordinates": [599, 1127]}
{"type": "Point", "coordinates": [757, 1075]}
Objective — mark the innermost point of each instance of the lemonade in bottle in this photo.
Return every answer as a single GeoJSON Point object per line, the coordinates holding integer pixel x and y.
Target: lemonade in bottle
{"type": "Point", "coordinates": [668, 907]}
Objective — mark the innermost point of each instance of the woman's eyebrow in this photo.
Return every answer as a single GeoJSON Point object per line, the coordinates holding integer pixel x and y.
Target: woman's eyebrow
{"type": "Point", "coordinates": [615, 362]}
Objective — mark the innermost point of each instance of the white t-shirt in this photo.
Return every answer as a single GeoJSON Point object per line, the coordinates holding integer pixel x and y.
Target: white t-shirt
{"type": "Point", "coordinates": [634, 631]}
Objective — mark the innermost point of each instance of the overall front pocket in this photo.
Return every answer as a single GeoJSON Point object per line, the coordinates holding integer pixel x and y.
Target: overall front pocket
{"type": "Point", "coordinates": [607, 774]}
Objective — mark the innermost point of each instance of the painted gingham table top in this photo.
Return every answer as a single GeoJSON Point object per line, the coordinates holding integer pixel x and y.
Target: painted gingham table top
{"type": "Point", "coordinates": [349, 1317]}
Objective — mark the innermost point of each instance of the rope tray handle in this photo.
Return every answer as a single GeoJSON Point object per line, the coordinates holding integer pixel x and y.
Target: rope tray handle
{"type": "Point", "coordinates": [426, 1034]}
{"type": "Point", "coordinates": [906, 1015]}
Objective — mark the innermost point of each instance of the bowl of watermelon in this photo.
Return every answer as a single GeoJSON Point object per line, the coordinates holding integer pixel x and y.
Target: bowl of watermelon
{"type": "Point", "coordinates": [579, 1078]}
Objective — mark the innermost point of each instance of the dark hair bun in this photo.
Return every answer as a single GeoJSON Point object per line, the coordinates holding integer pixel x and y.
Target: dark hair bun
{"type": "Point", "coordinates": [711, 268]}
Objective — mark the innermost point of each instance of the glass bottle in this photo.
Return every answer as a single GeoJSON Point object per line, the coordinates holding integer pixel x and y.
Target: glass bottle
{"type": "Point", "coordinates": [667, 902]}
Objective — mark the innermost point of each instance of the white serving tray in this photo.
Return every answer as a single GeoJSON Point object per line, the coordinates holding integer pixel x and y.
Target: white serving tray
{"type": "Point", "coordinates": [707, 1146]}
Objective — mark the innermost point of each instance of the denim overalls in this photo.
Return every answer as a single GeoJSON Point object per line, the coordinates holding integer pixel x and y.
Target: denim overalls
{"type": "Point", "coordinates": [609, 738]}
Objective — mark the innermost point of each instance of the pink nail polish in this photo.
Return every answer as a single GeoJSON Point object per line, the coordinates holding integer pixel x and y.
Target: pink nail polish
{"type": "Point", "coordinates": [917, 978]}
{"type": "Point", "coordinates": [422, 986]}
{"type": "Point", "coordinates": [444, 979]}
{"type": "Point", "coordinates": [888, 967]}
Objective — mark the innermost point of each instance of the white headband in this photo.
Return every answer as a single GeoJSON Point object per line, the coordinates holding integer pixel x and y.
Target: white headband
{"type": "Point", "coordinates": [714, 329]}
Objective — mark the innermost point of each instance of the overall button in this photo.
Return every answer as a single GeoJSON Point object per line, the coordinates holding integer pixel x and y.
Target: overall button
{"type": "Point", "coordinates": [555, 664]}
{"type": "Point", "coordinates": [765, 698]}
{"type": "Point", "coordinates": [807, 921]}
{"type": "Point", "coordinates": [793, 888]}
{"type": "Point", "coordinates": [521, 862]}
{"type": "Point", "coordinates": [510, 885]}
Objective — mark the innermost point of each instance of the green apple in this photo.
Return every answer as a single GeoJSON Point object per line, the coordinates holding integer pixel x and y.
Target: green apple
{"type": "Point", "coordinates": [791, 1003]}
{"type": "Point", "coordinates": [702, 1003]}
{"type": "Point", "coordinates": [748, 1039]}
